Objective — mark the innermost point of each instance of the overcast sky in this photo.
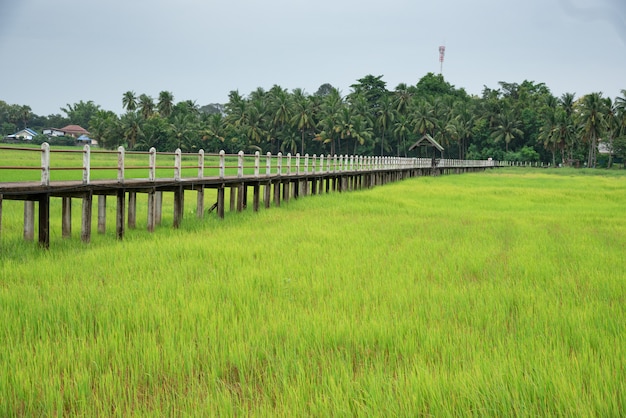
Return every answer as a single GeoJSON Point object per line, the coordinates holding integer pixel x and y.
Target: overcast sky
{"type": "Point", "coordinates": [62, 51]}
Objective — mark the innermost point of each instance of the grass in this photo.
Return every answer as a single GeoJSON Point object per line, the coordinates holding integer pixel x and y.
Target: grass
{"type": "Point", "coordinates": [493, 294]}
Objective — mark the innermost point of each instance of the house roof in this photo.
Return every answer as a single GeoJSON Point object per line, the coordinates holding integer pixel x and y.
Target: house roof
{"type": "Point", "coordinates": [426, 141]}
{"type": "Point", "coordinates": [74, 129]}
{"type": "Point", "coordinates": [22, 131]}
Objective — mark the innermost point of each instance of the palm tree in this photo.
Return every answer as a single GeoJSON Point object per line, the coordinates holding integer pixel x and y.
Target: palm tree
{"type": "Point", "coordinates": [507, 127]}
{"type": "Point", "coordinates": [302, 118]}
{"type": "Point", "coordinates": [129, 101]}
{"type": "Point", "coordinates": [131, 128]}
{"type": "Point", "coordinates": [402, 129]}
{"type": "Point", "coordinates": [385, 116]}
{"type": "Point", "coordinates": [549, 133]}
{"type": "Point", "coordinates": [423, 118]}
{"type": "Point", "coordinates": [165, 104]}
{"type": "Point", "coordinates": [146, 106]}
{"type": "Point", "coordinates": [592, 118]}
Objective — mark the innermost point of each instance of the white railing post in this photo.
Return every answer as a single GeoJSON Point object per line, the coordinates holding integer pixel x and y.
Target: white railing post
{"type": "Point", "coordinates": [240, 164]}
{"type": "Point", "coordinates": [152, 163]}
{"type": "Point", "coordinates": [321, 163]}
{"type": "Point", "coordinates": [201, 164]}
{"type": "Point", "coordinates": [297, 163]}
{"type": "Point", "coordinates": [45, 164]}
{"type": "Point", "coordinates": [268, 163]}
{"type": "Point", "coordinates": [279, 164]}
{"type": "Point", "coordinates": [86, 163]}
{"type": "Point", "coordinates": [120, 164]}
{"type": "Point", "coordinates": [335, 163]}
{"type": "Point", "coordinates": [177, 163]}
{"type": "Point", "coordinates": [257, 163]}
{"type": "Point", "coordinates": [288, 163]}
{"type": "Point", "coordinates": [306, 163]}
{"type": "Point", "coordinates": [222, 163]}
{"type": "Point", "coordinates": [313, 162]}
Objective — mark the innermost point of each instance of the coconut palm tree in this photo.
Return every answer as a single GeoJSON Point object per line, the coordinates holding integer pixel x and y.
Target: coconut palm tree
{"type": "Point", "coordinates": [146, 106]}
{"type": "Point", "coordinates": [129, 101]}
{"type": "Point", "coordinates": [592, 119]}
{"type": "Point", "coordinates": [507, 127]}
{"type": "Point", "coordinates": [165, 104]}
{"type": "Point", "coordinates": [385, 116]}
{"type": "Point", "coordinates": [302, 118]}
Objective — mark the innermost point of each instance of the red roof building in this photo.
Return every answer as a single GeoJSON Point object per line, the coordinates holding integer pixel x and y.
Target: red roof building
{"type": "Point", "coordinates": [74, 130]}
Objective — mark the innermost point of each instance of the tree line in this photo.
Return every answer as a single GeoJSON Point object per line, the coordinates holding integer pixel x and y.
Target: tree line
{"type": "Point", "coordinates": [514, 122]}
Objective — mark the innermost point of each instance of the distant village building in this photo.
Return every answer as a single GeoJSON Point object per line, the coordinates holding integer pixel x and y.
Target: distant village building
{"type": "Point", "coordinates": [26, 134]}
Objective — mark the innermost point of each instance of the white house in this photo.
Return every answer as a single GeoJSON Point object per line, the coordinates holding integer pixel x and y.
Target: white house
{"type": "Point", "coordinates": [26, 134]}
{"type": "Point", "coordinates": [53, 132]}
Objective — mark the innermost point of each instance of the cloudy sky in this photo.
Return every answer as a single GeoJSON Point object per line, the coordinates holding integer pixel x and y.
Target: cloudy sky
{"type": "Point", "coordinates": [59, 52]}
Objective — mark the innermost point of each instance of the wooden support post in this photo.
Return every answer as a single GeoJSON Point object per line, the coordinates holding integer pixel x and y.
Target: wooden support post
{"type": "Point", "coordinates": [244, 199]}
{"type": "Point", "coordinates": [179, 197]}
{"type": "Point", "coordinates": [102, 214]}
{"type": "Point", "coordinates": [277, 193]}
{"type": "Point", "coordinates": [44, 221]}
{"type": "Point", "coordinates": [240, 196]}
{"type": "Point", "coordinates": [121, 210]}
{"type": "Point", "coordinates": [267, 191]}
{"type": "Point", "coordinates": [66, 217]}
{"type": "Point", "coordinates": [255, 198]}
{"type": "Point", "coordinates": [200, 202]}
{"type": "Point", "coordinates": [29, 220]}
{"type": "Point", "coordinates": [286, 190]}
{"type": "Point", "coordinates": [314, 186]}
{"type": "Point", "coordinates": [233, 198]}
{"type": "Point", "coordinates": [158, 207]}
{"type": "Point", "coordinates": [132, 210]}
{"type": "Point", "coordinates": [151, 210]}
{"type": "Point", "coordinates": [85, 230]}
{"type": "Point", "coordinates": [0, 214]}
{"type": "Point", "coordinates": [220, 202]}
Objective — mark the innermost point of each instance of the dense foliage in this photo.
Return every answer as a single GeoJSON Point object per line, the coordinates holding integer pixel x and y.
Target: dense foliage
{"type": "Point", "coordinates": [515, 122]}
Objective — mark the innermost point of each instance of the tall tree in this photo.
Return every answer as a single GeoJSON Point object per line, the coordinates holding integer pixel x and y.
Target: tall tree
{"type": "Point", "coordinates": [129, 101]}
{"type": "Point", "coordinates": [146, 106]}
{"type": "Point", "coordinates": [507, 127]}
{"type": "Point", "coordinates": [165, 104]}
{"type": "Point", "coordinates": [592, 119]}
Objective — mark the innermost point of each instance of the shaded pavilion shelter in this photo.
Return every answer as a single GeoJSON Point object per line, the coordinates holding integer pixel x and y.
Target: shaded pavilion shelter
{"type": "Point", "coordinates": [427, 141]}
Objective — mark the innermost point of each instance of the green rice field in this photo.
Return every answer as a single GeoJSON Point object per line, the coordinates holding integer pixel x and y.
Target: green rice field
{"type": "Point", "coordinates": [500, 293]}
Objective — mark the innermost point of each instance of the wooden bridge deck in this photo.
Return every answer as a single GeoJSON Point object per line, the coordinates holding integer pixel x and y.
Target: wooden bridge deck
{"type": "Point", "coordinates": [269, 188]}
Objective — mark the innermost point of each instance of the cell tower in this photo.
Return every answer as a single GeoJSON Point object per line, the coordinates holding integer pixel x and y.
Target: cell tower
{"type": "Point", "coordinates": [442, 53]}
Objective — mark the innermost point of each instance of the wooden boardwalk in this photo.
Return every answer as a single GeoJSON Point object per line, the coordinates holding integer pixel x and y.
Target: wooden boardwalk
{"type": "Point", "coordinates": [278, 184]}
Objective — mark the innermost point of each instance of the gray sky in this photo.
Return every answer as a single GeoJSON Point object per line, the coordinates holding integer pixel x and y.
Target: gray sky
{"type": "Point", "coordinates": [62, 51]}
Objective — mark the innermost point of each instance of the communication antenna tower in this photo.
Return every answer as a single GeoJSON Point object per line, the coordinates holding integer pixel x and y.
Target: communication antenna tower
{"type": "Point", "coordinates": [442, 53]}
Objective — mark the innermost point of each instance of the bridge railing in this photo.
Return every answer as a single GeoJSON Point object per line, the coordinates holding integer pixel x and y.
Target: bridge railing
{"type": "Point", "coordinates": [180, 166]}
